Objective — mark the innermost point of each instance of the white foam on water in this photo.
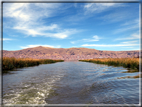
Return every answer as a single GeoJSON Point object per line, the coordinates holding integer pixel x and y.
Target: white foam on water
{"type": "Point", "coordinates": [31, 94]}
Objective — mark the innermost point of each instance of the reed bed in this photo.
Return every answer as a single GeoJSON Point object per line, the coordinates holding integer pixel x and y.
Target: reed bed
{"type": "Point", "coordinates": [11, 63]}
{"type": "Point", "coordinates": [132, 63]}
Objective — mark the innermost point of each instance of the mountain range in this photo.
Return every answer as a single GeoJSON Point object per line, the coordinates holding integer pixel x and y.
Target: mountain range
{"type": "Point", "coordinates": [68, 53]}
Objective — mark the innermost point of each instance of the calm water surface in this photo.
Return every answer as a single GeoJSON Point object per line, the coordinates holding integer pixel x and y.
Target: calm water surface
{"type": "Point", "coordinates": [70, 83]}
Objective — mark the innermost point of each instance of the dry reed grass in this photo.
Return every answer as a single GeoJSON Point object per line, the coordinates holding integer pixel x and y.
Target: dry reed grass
{"type": "Point", "coordinates": [132, 63]}
{"type": "Point", "coordinates": [11, 63]}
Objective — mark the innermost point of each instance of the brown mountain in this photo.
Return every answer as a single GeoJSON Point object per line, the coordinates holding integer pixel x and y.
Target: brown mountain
{"type": "Point", "coordinates": [68, 53]}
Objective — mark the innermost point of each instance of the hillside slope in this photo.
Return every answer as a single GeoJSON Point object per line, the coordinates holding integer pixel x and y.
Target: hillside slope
{"type": "Point", "coordinates": [68, 53]}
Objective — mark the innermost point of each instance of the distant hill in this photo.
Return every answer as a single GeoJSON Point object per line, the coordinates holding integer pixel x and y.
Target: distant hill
{"type": "Point", "coordinates": [68, 53]}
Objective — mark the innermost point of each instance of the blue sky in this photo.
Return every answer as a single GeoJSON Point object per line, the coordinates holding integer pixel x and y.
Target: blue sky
{"type": "Point", "coordinates": [101, 26]}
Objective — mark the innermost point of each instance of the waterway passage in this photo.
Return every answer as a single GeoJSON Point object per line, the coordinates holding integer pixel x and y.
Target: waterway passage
{"type": "Point", "coordinates": [70, 83]}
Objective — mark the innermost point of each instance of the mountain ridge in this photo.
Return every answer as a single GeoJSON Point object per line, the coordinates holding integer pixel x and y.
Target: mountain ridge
{"type": "Point", "coordinates": [73, 53]}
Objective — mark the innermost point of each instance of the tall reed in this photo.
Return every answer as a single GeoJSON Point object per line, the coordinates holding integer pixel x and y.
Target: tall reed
{"type": "Point", "coordinates": [11, 63]}
{"type": "Point", "coordinates": [132, 63]}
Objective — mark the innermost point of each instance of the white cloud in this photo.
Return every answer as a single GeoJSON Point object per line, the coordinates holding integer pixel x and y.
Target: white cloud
{"type": "Point", "coordinates": [126, 29]}
{"type": "Point", "coordinates": [94, 38]}
{"type": "Point", "coordinates": [109, 45]}
{"type": "Point", "coordinates": [48, 5]}
{"type": "Point", "coordinates": [32, 46]}
{"type": "Point", "coordinates": [130, 25]}
{"type": "Point", "coordinates": [73, 42]}
{"type": "Point", "coordinates": [121, 44]}
{"type": "Point", "coordinates": [46, 31]}
{"type": "Point", "coordinates": [115, 16]}
{"type": "Point", "coordinates": [15, 10]}
{"type": "Point", "coordinates": [132, 37]}
{"type": "Point", "coordinates": [89, 40]}
{"type": "Point", "coordinates": [99, 7]}
{"type": "Point", "coordinates": [51, 27]}
{"type": "Point", "coordinates": [28, 19]}
{"type": "Point", "coordinates": [130, 42]}
{"type": "Point", "coordinates": [29, 11]}
{"type": "Point", "coordinates": [7, 39]}
{"type": "Point", "coordinates": [131, 48]}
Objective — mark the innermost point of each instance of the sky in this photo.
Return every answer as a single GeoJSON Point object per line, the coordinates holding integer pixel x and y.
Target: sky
{"type": "Point", "coordinates": [101, 26]}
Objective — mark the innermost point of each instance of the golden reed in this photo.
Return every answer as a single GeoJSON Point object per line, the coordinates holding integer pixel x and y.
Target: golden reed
{"type": "Point", "coordinates": [132, 63]}
{"type": "Point", "coordinates": [11, 63]}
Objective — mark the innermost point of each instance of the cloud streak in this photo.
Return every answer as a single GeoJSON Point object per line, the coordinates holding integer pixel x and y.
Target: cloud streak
{"type": "Point", "coordinates": [94, 38]}
{"type": "Point", "coordinates": [28, 19]}
{"type": "Point", "coordinates": [126, 29]}
{"type": "Point", "coordinates": [109, 45]}
{"type": "Point", "coordinates": [53, 31]}
{"type": "Point", "coordinates": [32, 46]}
{"type": "Point", "coordinates": [6, 39]}
{"type": "Point", "coordinates": [121, 44]}
{"type": "Point", "coordinates": [99, 7]}
{"type": "Point", "coordinates": [131, 43]}
{"type": "Point", "coordinates": [132, 37]}
{"type": "Point", "coordinates": [130, 25]}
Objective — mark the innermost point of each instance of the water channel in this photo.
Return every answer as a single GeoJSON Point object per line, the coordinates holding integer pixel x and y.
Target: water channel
{"type": "Point", "coordinates": [70, 83]}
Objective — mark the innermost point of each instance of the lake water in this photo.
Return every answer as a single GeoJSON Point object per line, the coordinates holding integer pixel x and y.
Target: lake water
{"type": "Point", "coordinates": [70, 83]}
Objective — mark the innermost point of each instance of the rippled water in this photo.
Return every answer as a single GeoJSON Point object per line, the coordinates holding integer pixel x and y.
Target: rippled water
{"type": "Point", "coordinates": [70, 83]}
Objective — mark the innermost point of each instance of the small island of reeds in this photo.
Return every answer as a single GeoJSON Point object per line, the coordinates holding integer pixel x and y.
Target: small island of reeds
{"type": "Point", "coordinates": [12, 63]}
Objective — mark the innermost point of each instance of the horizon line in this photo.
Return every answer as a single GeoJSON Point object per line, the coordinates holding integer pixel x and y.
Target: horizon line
{"type": "Point", "coordinates": [68, 48]}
